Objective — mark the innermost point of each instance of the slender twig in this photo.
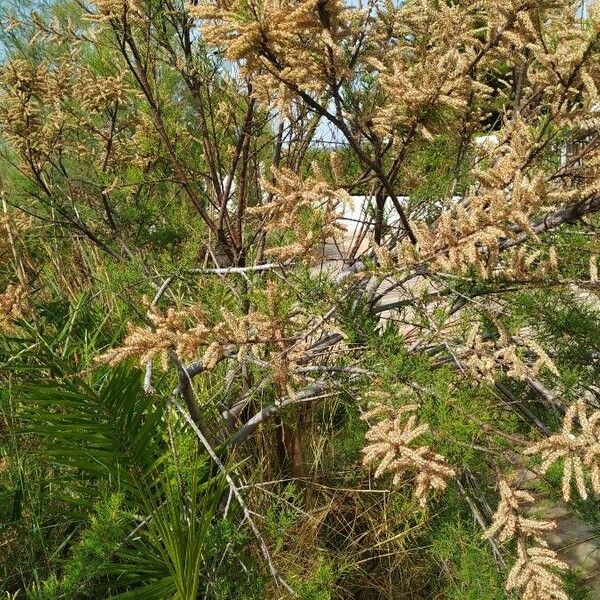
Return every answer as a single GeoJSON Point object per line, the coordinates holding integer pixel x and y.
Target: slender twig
{"type": "Point", "coordinates": [246, 430]}
{"type": "Point", "coordinates": [480, 520]}
{"type": "Point", "coordinates": [148, 375]}
{"type": "Point", "coordinates": [250, 269]}
{"type": "Point", "coordinates": [232, 486]}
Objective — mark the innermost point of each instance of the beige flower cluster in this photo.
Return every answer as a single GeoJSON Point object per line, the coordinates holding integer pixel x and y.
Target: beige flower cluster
{"type": "Point", "coordinates": [513, 186]}
{"type": "Point", "coordinates": [12, 304]}
{"type": "Point", "coordinates": [111, 9]}
{"type": "Point", "coordinates": [97, 93]}
{"type": "Point", "coordinates": [484, 357]}
{"type": "Point", "coordinates": [43, 104]}
{"type": "Point", "coordinates": [308, 209]}
{"type": "Point", "coordinates": [577, 447]}
{"type": "Point", "coordinates": [29, 114]}
{"type": "Point", "coordinates": [291, 41]}
{"type": "Point", "coordinates": [186, 331]}
{"type": "Point", "coordinates": [469, 234]}
{"type": "Point", "coordinates": [183, 332]}
{"type": "Point", "coordinates": [389, 445]}
{"type": "Point", "coordinates": [264, 336]}
{"type": "Point", "coordinates": [427, 79]}
{"type": "Point", "coordinates": [533, 575]}
{"type": "Point", "coordinates": [508, 521]}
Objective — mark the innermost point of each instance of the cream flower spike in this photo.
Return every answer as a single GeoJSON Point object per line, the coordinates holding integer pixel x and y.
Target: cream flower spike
{"type": "Point", "coordinates": [389, 444]}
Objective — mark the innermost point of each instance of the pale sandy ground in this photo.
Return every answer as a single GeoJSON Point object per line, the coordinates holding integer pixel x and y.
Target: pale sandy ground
{"type": "Point", "coordinates": [577, 544]}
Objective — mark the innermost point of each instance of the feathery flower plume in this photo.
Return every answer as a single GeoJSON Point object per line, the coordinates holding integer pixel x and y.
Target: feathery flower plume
{"type": "Point", "coordinates": [389, 445]}
{"type": "Point", "coordinates": [187, 332]}
{"type": "Point", "coordinates": [485, 358]}
{"type": "Point", "coordinates": [306, 208]}
{"type": "Point", "coordinates": [533, 574]}
{"type": "Point", "coordinates": [110, 9]}
{"type": "Point", "coordinates": [169, 331]}
{"type": "Point", "coordinates": [508, 522]}
{"type": "Point", "coordinates": [12, 303]}
{"type": "Point", "coordinates": [578, 448]}
{"type": "Point", "coordinates": [279, 40]}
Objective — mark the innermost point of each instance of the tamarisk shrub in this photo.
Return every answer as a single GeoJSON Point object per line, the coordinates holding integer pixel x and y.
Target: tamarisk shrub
{"type": "Point", "coordinates": [203, 154]}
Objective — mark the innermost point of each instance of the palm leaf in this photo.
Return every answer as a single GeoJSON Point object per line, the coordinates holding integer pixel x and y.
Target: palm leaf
{"type": "Point", "coordinates": [110, 435]}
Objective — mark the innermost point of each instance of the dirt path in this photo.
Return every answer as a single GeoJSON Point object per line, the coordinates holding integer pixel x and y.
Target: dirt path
{"type": "Point", "coordinates": [576, 543]}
